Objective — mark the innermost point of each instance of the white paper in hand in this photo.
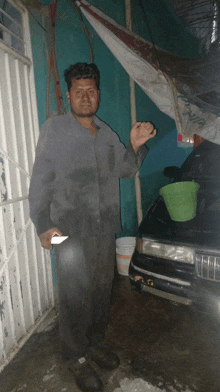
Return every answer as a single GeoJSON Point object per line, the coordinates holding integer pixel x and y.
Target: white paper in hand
{"type": "Point", "coordinates": [56, 240]}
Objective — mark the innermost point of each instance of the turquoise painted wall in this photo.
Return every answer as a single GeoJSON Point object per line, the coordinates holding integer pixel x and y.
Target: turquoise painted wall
{"type": "Point", "coordinates": [40, 62]}
{"type": "Point", "coordinates": [71, 47]}
{"type": "Point", "coordinates": [156, 21]}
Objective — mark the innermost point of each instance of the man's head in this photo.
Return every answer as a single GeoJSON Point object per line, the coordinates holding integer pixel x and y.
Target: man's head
{"type": "Point", "coordinates": [83, 89]}
{"type": "Point", "coordinates": [82, 71]}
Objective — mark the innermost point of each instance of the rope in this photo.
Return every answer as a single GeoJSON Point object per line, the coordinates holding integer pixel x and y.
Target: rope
{"type": "Point", "coordinates": [86, 31]}
{"type": "Point", "coordinates": [52, 65]}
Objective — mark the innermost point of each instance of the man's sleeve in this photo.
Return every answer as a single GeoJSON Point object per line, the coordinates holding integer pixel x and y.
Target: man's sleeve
{"type": "Point", "coordinates": [41, 185]}
{"type": "Point", "coordinates": [128, 162]}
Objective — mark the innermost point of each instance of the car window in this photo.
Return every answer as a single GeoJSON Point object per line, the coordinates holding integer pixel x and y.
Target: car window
{"type": "Point", "coordinates": [202, 166]}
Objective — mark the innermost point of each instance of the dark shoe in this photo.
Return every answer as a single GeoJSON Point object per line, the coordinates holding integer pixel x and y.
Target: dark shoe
{"type": "Point", "coordinates": [103, 358]}
{"type": "Point", "coordinates": [86, 377]}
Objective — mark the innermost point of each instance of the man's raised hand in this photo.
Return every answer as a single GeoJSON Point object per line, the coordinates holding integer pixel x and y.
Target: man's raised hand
{"type": "Point", "coordinates": [140, 133]}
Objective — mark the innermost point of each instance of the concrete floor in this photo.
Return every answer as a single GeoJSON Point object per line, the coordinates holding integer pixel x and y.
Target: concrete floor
{"type": "Point", "coordinates": [161, 346]}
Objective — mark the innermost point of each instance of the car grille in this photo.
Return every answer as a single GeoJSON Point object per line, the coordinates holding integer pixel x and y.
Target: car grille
{"type": "Point", "coordinates": [208, 266]}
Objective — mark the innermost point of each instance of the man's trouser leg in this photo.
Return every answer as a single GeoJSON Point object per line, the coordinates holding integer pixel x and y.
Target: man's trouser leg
{"type": "Point", "coordinates": [85, 274]}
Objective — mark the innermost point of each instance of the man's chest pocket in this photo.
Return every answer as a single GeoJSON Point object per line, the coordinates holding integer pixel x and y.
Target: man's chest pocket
{"type": "Point", "coordinates": [106, 159]}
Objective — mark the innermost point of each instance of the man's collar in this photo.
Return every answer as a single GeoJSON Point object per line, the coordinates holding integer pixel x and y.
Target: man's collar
{"type": "Point", "coordinates": [71, 115]}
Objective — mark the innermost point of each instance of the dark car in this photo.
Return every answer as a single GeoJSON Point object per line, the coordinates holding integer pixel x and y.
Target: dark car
{"type": "Point", "coordinates": [180, 261]}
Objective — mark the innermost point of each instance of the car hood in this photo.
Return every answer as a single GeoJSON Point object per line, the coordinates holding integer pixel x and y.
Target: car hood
{"type": "Point", "coordinates": [201, 231]}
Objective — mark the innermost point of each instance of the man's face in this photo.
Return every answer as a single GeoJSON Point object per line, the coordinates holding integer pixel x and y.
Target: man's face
{"type": "Point", "coordinates": [83, 97]}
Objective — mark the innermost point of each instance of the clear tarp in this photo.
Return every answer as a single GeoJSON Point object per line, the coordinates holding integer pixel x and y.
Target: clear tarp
{"type": "Point", "coordinates": [185, 89]}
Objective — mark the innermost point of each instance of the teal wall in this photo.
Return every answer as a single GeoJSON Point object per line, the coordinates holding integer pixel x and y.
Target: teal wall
{"type": "Point", "coordinates": [157, 22]}
{"type": "Point", "coordinates": [71, 47]}
{"type": "Point", "coordinates": [40, 62]}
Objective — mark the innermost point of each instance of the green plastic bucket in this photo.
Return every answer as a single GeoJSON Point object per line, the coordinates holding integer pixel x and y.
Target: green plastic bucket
{"type": "Point", "coordinates": [181, 200]}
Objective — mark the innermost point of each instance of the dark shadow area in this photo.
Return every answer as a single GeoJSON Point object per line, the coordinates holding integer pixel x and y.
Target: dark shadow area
{"type": "Point", "coordinates": [171, 347]}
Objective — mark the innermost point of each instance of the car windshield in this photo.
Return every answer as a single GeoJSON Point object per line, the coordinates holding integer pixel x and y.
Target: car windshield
{"type": "Point", "coordinates": [202, 166]}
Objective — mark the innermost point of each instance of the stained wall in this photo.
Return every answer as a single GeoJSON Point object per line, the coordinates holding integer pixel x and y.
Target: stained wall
{"type": "Point", "coordinates": [72, 46]}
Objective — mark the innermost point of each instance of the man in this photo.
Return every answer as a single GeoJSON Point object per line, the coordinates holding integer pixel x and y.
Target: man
{"type": "Point", "coordinates": [74, 191]}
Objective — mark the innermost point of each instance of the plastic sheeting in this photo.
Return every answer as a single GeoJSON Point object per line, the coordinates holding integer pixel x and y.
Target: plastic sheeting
{"type": "Point", "coordinates": [138, 58]}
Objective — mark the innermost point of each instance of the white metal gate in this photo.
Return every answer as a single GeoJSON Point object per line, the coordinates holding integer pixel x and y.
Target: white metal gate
{"type": "Point", "coordinates": [26, 289]}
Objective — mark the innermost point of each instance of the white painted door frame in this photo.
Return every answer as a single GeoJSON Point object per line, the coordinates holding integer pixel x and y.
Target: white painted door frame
{"type": "Point", "coordinates": [26, 286]}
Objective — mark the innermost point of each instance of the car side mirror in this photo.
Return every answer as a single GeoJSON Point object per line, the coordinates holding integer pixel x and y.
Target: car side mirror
{"type": "Point", "coordinates": [171, 171]}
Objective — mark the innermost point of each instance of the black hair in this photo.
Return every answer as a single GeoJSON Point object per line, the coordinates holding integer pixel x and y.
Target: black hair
{"type": "Point", "coordinates": [82, 71]}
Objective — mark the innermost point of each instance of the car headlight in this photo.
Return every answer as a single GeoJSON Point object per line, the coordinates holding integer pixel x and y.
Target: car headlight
{"type": "Point", "coordinates": [154, 248]}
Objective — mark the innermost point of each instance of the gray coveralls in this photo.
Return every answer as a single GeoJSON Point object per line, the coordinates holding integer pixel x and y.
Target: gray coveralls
{"type": "Point", "coordinates": [75, 187]}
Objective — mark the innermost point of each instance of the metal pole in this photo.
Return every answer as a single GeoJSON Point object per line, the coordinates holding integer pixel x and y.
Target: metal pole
{"type": "Point", "coordinates": [128, 11]}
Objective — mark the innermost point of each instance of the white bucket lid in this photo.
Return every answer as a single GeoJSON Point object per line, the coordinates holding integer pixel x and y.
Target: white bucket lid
{"type": "Point", "coordinates": [126, 241]}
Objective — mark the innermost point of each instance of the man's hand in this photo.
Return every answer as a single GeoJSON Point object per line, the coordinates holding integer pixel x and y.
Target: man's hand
{"type": "Point", "coordinates": [140, 133]}
{"type": "Point", "coordinates": [45, 238]}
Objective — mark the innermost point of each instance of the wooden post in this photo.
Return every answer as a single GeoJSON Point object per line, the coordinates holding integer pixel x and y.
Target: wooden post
{"type": "Point", "coordinates": [128, 11]}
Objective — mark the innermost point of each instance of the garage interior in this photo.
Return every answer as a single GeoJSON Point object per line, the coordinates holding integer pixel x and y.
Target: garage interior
{"type": "Point", "coordinates": [162, 345]}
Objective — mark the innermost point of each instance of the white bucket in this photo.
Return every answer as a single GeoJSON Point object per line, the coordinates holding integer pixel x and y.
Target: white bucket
{"type": "Point", "coordinates": [124, 250]}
